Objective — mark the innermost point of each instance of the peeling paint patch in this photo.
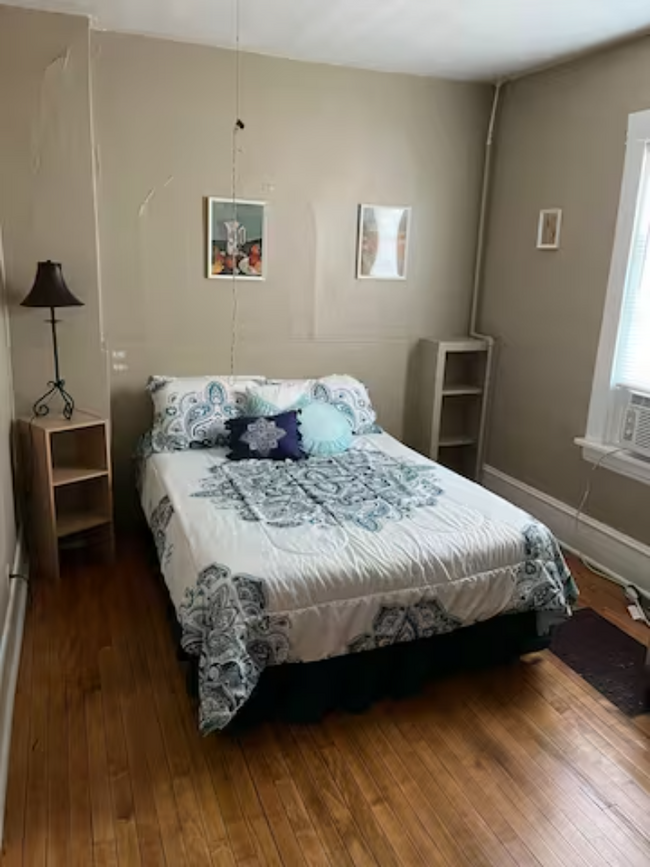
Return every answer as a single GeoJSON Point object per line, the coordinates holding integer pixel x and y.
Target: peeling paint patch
{"type": "Point", "coordinates": [50, 107]}
{"type": "Point", "coordinates": [147, 199]}
{"type": "Point", "coordinates": [62, 60]}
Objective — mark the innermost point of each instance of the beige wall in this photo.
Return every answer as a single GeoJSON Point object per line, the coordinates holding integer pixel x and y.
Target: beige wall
{"type": "Point", "coordinates": [561, 143]}
{"type": "Point", "coordinates": [318, 141]}
{"type": "Point", "coordinates": [47, 198]}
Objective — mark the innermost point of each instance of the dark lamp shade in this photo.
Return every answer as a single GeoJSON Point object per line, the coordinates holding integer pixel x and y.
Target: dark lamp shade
{"type": "Point", "coordinates": [50, 289]}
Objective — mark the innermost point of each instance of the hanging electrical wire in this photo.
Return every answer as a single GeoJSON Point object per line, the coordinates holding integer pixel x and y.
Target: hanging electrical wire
{"type": "Point", "coordinates": [238, 126]}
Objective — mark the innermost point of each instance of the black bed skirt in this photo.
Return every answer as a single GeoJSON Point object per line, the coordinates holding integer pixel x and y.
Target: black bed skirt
{"type": "Point", "coordinates": [306, 692]}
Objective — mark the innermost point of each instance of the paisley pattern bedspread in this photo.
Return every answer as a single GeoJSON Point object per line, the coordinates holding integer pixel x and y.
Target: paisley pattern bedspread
{"type": "Point", "coordinates": [280, 562]}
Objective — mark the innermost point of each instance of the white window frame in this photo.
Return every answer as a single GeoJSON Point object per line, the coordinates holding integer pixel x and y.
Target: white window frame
{"type": "Point", "coordinates": [597, 443]}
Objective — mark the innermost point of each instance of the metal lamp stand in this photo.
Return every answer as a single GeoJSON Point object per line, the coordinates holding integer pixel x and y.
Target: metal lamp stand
{"type": "Point", "coordinates": [57, 385]}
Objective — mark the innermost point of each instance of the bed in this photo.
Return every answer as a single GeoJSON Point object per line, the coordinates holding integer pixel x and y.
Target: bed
{"type": "Point", "coordinates": [281, 564]}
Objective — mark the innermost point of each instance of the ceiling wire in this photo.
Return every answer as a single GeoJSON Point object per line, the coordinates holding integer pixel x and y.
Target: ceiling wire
{"type": "Point", "coordinates": [237, 127]}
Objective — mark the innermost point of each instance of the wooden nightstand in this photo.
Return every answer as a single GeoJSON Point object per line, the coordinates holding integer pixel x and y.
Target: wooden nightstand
{"type": "Point", "coordinates": [67, 476]}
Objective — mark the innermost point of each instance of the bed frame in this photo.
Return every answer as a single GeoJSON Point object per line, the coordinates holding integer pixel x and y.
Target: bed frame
{"type": "Point", "coordinates": [306, 692]}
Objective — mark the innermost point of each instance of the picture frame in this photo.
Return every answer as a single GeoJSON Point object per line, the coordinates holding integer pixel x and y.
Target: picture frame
{"type": "Point", "coordinates": [235, 235]}
{"type": "Point", "coordinates": [549, 229]}
{"type": "Point", "coordinates": [383, 235]}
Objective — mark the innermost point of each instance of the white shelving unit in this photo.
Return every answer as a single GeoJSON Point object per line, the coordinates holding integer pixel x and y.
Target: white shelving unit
{"type": "Point", "coordinates": [458, 370]}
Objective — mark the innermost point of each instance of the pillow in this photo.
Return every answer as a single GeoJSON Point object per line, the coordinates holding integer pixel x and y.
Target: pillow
{"type": "Point", "coordinates": [281, 396]}
{"type": "Point", "coordinates": [350, 397]}
{"type": "Point", "coordinates": [276, 438]}
{"type": "Point", "coordinates": [324, 430]}
{"type": "Point", "coordinates": [346, 393]}
{"type": "Point", "coordinates": [191, 412]}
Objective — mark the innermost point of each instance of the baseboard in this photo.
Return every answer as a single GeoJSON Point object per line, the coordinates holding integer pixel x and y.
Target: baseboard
{"type": "Point", "coordinates": [11, 639]}
{"type": "Point", "coordinates": [624, 559]}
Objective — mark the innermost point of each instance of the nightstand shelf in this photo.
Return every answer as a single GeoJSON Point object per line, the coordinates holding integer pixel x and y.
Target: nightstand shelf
{"type": "Point", "coordinates": [454, 442]}
{"type": "Point", "coordinates": [69, 524]}
{"type": "Point", "coordinates": [461, 390]}
{"type": "Point", "coordinates": [72, 475]}
{"type": "Point", "coordinates": [68, 478]}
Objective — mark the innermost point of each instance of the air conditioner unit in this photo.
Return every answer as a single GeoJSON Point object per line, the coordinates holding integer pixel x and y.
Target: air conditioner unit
{"type": "Point", "coordinates": [634, 431]}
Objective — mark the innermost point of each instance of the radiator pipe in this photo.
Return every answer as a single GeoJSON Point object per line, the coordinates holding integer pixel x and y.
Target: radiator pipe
{"type": "Point", "coordinates": [478, 276]}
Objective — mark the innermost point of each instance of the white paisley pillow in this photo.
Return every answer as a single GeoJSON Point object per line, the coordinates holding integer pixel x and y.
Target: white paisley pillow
{"type": "Point", "coordinates": [344, 392]}
{"type": "Point", "coordinates": [276, 396]}
{"type": "Point", "coordinates": [191, 412]}
{"type": "Point", "coordinates": [349, 396]}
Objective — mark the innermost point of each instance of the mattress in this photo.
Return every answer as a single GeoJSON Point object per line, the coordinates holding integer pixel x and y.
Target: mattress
{"type": "Point", "coordinates": [273, 563]}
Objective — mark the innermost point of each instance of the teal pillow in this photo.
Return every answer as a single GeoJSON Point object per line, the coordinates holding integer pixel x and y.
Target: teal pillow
{"type": "Point", "coordinates": [325, 430]}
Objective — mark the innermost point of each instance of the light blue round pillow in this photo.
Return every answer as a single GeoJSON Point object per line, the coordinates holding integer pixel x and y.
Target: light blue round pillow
{"type": "Point", "coordinates": [325, 430]}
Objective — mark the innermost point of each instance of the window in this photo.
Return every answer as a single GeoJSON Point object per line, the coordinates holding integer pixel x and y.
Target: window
{"type": "Point", "coordinates": [624, 350]}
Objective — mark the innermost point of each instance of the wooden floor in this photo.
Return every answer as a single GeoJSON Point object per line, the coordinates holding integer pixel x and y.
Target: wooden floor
{"type": "Point", "coordinates": [524, 765]}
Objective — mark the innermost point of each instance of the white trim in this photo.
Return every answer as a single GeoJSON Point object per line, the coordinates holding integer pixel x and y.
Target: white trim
{"type": "Point", "coordinates": [638, 135]}
{"type": "Point", "coordinates": [11, 640]}
{"type": "Point", "coordinates": [619, 460]}
{"type": "Point", "coordinates": [624, 559]}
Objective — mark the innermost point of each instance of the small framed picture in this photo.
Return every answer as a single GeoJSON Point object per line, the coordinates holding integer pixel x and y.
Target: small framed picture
{"type": "Point", "coordinates": [382, 245]}
{"type": "Point", "coordinates": [548, 229]}
{"type": "Point", "coordinates": [236, 236]}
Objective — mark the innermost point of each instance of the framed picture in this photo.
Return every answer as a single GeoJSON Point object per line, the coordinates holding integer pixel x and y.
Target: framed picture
{"type": "Point", "coordinates": [548, 229]}
{"type": "Point", "coordinates": [236, 242]}
{"type": "Point", "coordinates": [382, 245]}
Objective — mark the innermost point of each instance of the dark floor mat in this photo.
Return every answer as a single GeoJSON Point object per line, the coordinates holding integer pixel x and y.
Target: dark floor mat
{"type": "Point", "coordinates": [609, 659]}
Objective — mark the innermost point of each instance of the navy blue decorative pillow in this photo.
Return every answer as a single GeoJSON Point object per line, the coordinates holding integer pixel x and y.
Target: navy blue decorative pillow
{"type": "Point", "coordinates": [276, 437]}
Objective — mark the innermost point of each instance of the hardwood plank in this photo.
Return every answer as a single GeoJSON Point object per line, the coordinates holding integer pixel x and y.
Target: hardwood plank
{"type": "Point", "coordinates": [81, 833]}
{"type": "Point", "coordinates": [311, 796]}
{"type": "Point", "coordinates": [363, 790]}
{"type": "Point", "coordinates": [337, 806]}
{"type": "Point", "coordinates": [158, 810]}
{"type": "Point", "coordinates": [36, 808]}
{"type": "Point", "coordinates": [266, 849]}
{"type": "Point", "coordinates": [58, 779]}
{"type": "Point", "coordinates": [283, 834]}
{"type": "Point", "coordinates": [479, 787]}
{"type": "Point", "coordinates": [314, 849]}
{"type": "Point", "coordinates": [440, 793]}
{"type": "Point", "coordinates": [128, 836]}
{"type": "Point", "coordinates": [100, 794]}
{"type": "Point", "coordinates": [414, 788]}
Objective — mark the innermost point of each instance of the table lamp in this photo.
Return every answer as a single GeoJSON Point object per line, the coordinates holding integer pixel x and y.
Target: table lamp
{"type": "Point", "coordinates": [50, 290]}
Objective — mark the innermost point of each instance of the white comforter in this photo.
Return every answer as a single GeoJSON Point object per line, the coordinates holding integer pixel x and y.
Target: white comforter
{"type": "Point", "coordinates": [269, 562]}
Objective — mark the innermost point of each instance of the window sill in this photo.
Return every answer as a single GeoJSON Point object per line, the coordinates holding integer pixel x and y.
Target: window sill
{"type": "Point", "coordinates": [619, 461]}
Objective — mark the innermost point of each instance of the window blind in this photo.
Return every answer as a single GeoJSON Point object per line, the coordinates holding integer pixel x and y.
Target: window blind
{"type": "Point", "coordinates": [632, 360]}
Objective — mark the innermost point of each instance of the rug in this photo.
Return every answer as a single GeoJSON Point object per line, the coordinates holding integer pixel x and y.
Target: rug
{"type": "Point", "coordinates": [607, 658]}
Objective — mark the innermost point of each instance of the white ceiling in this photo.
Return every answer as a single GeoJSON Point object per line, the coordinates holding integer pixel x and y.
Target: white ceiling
{"type": "Point", "coordinates": [466, 39]}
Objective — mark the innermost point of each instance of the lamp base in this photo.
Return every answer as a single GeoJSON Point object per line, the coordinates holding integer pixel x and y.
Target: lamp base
{"type": "Point", "coordinates": [41, 407]}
